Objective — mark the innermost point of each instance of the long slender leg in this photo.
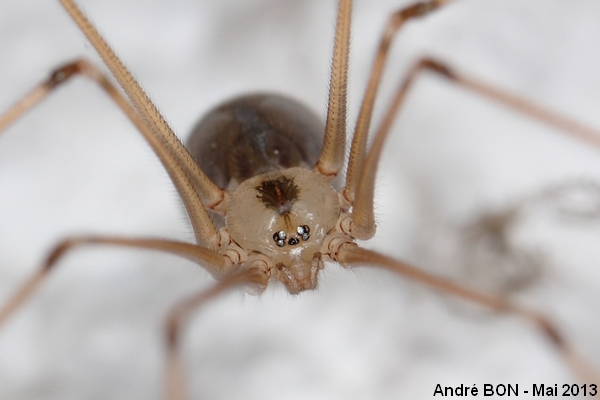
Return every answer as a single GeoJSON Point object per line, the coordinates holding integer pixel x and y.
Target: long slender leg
{"type": "Point", "coordinates": [363, 220]}
{"type": "Point", "coordinates": [552, 118]}
{"type": "Point", "coordinates": [332, 156]}
{"type": "Point", "coordinates": [358, 150]}
{"type": "Point", "coordinates": [210, 193]}
{"type": "Point", "coordinates": [216, 264]}
{"type": "Point", "coordinates": [180, 314]}
{"type": "Point", "coordinates": [32, 98]}
{"type": "Point", "coordinates": [351, 255]}
{"type": "Point", "coordinates": [204, 230]}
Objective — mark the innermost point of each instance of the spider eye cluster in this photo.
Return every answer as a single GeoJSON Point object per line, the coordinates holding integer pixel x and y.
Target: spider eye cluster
{"type": "Point", "coordinates": [302, 231]}
{"type": "Point", "coordinates": [283, 214]}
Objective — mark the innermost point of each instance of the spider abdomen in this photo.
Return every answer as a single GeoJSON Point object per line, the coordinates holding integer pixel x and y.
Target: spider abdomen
{"type": "Point", "coordinates": [254, 134]}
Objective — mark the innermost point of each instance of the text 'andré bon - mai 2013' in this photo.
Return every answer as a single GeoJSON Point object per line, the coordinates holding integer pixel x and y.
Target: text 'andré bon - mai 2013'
{"type": "Point", "coordinates": [513, 390]}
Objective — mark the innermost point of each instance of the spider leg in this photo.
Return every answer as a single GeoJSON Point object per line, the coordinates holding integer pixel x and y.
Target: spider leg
{"type": "Point", "coordinates": [181, 313]}
{"type": "Point", "coordinates": [205, 232]}
{"type": "Point", "coordinates": [211, 193]}
{"type": "Point", "coordinates": [552, 118]}
{"type": "Point", "coordinates": [332, 156]}
{"type": "Point", "coordinates": [216, 264]}
{"type": "Point", "coordinates": [350, 255]}
{"type": "Point", "coordinates": [358, 150]}
{"type": "Point", "coordinates": [193, 185]}
{"type": "Point", "coordinates": [363, 220]}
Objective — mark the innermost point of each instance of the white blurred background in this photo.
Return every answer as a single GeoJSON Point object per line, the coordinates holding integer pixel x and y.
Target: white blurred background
{"type": "Point", "coordinates": [75, 165]}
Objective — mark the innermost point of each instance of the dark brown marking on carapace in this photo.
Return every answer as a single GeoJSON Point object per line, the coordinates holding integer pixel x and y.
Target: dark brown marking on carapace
{"type": "Point", "coordinates": [278, 194]}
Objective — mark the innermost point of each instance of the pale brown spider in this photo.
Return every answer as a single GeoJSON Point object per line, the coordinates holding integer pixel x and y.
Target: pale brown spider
{"type": "Point", "coordinates": [388, 234]}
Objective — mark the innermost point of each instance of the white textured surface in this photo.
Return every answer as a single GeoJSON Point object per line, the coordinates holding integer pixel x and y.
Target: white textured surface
{"type": "Point", "coordinates": [75, 165]}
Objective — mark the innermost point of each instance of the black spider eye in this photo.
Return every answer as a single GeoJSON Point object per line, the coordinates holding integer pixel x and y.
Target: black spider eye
{"type": "Point", "coordinates": [279, 238]}
{"type": "Point", "coordinates": [304, 232]}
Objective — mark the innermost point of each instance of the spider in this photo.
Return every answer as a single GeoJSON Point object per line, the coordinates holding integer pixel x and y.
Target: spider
{"type": "Point", "coordinates": [347, 294]}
